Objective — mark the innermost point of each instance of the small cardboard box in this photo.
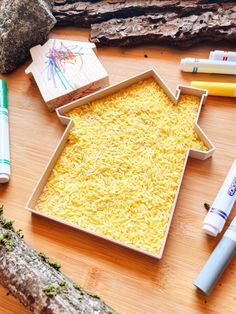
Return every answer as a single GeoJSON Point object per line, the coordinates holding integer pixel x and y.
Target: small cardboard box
{"type": "Point", "coordinates": [202, 94]}
{"type": "Point", "coordinates": [66, 70]}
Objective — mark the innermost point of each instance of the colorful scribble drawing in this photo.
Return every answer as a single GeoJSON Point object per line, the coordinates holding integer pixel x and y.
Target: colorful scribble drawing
{"type": "Point", "coordinates": [58, 57]}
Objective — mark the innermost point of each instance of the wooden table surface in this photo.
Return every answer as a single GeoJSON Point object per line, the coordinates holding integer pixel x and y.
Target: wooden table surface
{"type": "Point", "coordinates": [129, 282]}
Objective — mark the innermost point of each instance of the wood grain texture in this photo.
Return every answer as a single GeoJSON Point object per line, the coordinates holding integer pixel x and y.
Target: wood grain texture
{"type": "Point", "coordinates": [129, 282]}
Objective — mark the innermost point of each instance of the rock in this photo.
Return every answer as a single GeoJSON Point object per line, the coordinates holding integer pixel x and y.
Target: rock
{"type": "Point", "coordinates": [23, 24]}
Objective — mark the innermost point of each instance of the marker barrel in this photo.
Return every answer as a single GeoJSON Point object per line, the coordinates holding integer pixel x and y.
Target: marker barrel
{"type": "Point", "coordinates": [218, 260]}
{"type": "Point", "coordinates": [216, 88]}
{"type": "Point", "coordinates": [4, 135]}
{"type": "Point", "coordinates": [222, 55]}
{"type": "Point", "coordinates": [222, 205]}
{"type": "Point", "coordinates": [195, 65]}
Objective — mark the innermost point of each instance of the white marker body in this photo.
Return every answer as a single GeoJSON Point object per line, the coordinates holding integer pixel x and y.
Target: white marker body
{"type": "Point", "coordinates": [222, 55]}
{"type": "Point", "coordinates": [231, 231]}
{"type": "Point", "coordinates": [195, 65]}
{"type": "Point", "coordinates": [4, 146]}
{"type": "Point", "coordinates": [221, 207]}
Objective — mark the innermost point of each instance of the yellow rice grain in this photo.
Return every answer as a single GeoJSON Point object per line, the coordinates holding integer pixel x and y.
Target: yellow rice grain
{"type": "Point", "coordinates": [119, 172]}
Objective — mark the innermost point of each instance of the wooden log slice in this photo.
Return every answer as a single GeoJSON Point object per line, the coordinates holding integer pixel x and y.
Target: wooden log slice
{"type": "Point", "coordinates": [33, 279]}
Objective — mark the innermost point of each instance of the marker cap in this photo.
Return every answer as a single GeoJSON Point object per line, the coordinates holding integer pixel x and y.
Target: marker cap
{"type": "Point", "coordinates": [212, 55]}
{"type": "Point", "coordinates": [218, 260]}
{"type": "Point", "coordinates": [211, 230]}
{"type": "Point", "coordinates": [4, 178]}
{"type": "Point", "coordinates": [183, 65]}
{"type": "Point", "coordinates": [216, 264]}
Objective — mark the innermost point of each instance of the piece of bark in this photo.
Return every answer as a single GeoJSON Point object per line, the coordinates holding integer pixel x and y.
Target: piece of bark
{"type": "Point", "coordinates": [23, 24]}
{"type": "Point", "coordinates": [62, 2]}
{"type": "Point", "coordinates": [167, 29]}
{"type": "Point", "coordinates": [85, 13]}
{"type": "Point", "coordinates": [31, 280]}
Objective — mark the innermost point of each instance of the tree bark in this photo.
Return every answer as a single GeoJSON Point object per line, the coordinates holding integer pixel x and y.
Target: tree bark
{"type": "Point", "coordinates": [167, 28]}
{"type": "Point", "coordinates": [85, 13]}
{"type": "Point", "coordinates": [38, 285]}
{"type": "Point", "coordinates": [133, 22]}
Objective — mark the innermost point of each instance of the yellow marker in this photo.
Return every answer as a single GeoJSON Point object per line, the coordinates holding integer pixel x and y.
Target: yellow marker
{"type": "Point", "coordinates": [217, 89]}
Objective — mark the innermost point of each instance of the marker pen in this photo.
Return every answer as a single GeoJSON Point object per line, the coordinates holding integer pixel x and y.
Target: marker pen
{"type": "Point", "coordinates": [4, 135]}
{"type": "Point", "coordinates": [217, 88]}
{"type": "Point", "coordinates": [223, 55]}
{"type": "Point", "coordinates": [195, 65]}
{"type": "Point", "coordinates": [218, 260]}
{"type": "Point", "coordinates": [222, 205]}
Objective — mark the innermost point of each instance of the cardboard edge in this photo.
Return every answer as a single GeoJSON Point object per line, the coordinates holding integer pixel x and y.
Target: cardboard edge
{"type": "Point", "coordinates": [102, 81]}
{"type": "Point", "coordinates": [54, 103]}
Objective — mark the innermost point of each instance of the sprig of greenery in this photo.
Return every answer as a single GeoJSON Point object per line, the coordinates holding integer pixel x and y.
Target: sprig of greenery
{"type": "Point", "coordinates": [47, 260]}
{"type": "Point", "coordinates": [50, 290]}
{"type": "Point", "coordinates": [94, 295]}
{"type": "Point", "coordinates": [6, 239]}
{"type": "Point", "coordinates": [6, 224]}
{"type": "Point", "coordinates": [78, 287]}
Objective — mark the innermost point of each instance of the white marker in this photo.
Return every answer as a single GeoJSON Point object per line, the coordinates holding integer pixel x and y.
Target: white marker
{"type": "Point", "coordinates": [223, 55]}
{"type": "Point", "coordinates": [4, 135]}
{"type": "Point", "coordinates": [207, 66]}
{"type": "Point", "coordinates": [221, 207]}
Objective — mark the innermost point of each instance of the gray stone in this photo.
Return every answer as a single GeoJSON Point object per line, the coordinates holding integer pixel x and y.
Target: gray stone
{"type": "Point", "coordinates": [23, 24]}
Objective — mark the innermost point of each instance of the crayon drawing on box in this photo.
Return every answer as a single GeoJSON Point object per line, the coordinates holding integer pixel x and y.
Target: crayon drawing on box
{"type": "Point", "coordinates": [64, 69]}
{"type": "Point", "coordinates": [59, 55]}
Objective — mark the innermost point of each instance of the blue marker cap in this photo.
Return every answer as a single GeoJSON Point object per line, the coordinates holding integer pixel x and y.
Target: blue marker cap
{"type": "Point", "coordinates": [218, 261]}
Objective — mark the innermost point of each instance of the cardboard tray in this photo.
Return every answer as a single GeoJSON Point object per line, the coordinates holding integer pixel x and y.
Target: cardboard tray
{"type": "Point", "coordinates": [202, 94]}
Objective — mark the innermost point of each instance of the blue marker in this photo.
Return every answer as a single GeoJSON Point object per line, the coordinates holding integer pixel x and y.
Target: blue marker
{"type": "Point", "coordinates": [222, 205]}
{"type": "Point", "coordinates": [218, 261]}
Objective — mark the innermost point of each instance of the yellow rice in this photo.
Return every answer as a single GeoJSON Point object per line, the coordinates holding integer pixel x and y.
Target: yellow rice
{"type": "Point", "coordinates": [119, 172]}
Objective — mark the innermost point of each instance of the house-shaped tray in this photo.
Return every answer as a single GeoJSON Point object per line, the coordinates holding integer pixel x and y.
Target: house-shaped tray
{"type": "Point", "coordinates": [62, 111]}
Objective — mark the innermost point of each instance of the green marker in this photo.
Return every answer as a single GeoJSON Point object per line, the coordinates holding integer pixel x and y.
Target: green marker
{"type": "Point", "coordinates": [4, 135]}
